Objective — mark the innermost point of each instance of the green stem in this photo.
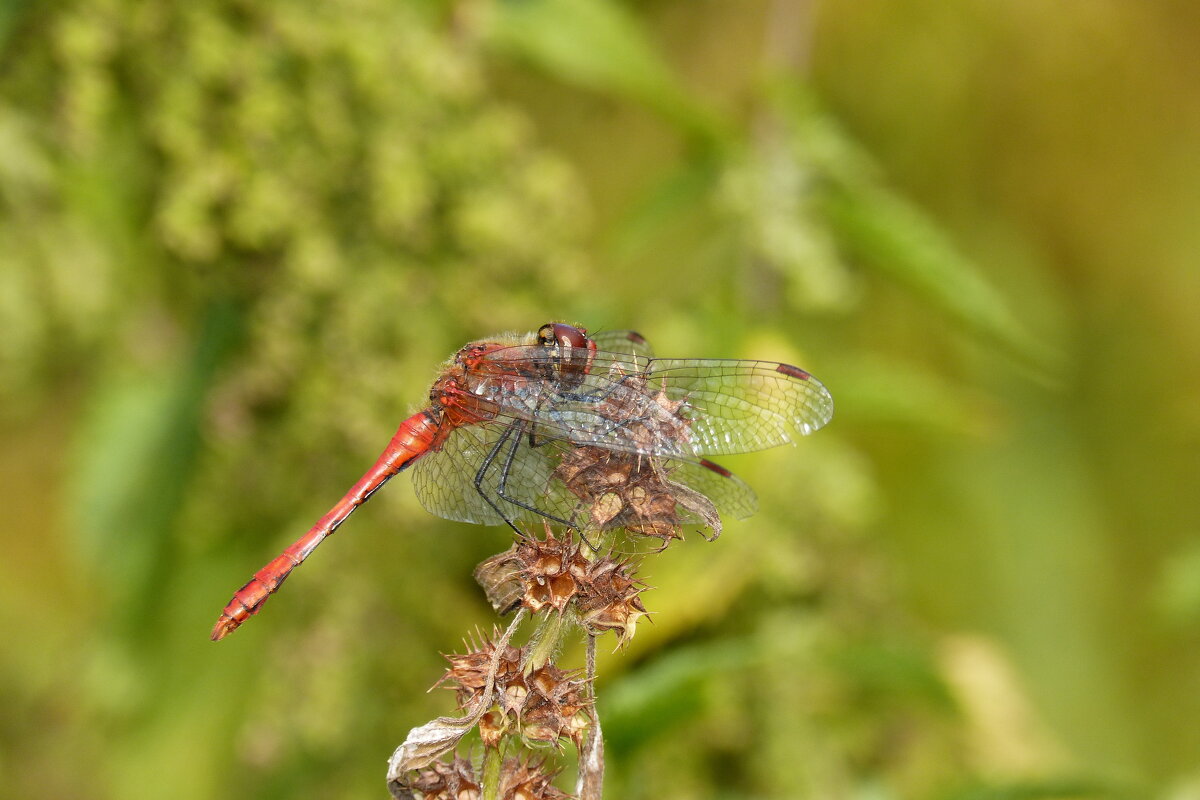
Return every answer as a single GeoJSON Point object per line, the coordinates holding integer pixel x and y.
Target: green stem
{"type": "Point", "coordinates": [493, 760]}
{"type": "Point", "coordinates": [546, 640]}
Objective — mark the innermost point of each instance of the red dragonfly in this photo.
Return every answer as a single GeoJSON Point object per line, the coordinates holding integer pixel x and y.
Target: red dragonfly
{"type": "Point", "coordinates": [505, 411]}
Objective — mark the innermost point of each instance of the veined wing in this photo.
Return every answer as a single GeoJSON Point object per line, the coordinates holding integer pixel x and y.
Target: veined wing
{"type": "Point", "coordinates": [728, 406]}
{"type": "Point", "coordinates": [527, 466]}
{"type": "Point", "coordinates": [595, 407]}
{"type": "Point", "coordinates": [444, 481]}
{"type": "Point", "coordinates": [742, 406]}
{"type": "Point", "coordinates": [672, 408]}
{"type": "Point", "coordinates": [622, 344]}
{"type": "Point", "coordinates": [729, 493]}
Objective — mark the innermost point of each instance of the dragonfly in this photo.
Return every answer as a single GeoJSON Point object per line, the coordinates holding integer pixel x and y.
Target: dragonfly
{"type": "Point", "coordinates": [508, 413]}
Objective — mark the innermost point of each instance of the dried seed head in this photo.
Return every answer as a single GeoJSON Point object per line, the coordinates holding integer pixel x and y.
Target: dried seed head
{"type": "Point", "coordinates": [512, 699]}
{"type": "Point", "coordinates": [453, 781]}
{"type": "Point", "coordinates": [554, 574]}
{"type": "Point", "coordinates": [542, 704]}
{"type": "Point", "coordinates": [605, 508]}
{"type": "Point", "coordinates": [555, 699]}
{"type": "Point", "coordinates": [609, 599]}
{"type": "Point", "coordinates": [468, 673]}
{"type": "Point", "coordinates": [500, 578]}
{"type": "Point", "coordinates": [492, 727]}
{"type": "Point", "coordinates": [545, 573]}
{"type": "Point", "coordinates": [535, 573]}
{"type": "Point", "coordinates": [625, 490]}
{"type": "Point", "coordinates": [520, 780]}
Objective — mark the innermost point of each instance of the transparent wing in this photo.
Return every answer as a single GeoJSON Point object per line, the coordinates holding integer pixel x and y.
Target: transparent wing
{"type": "Point", "coordinates": [631, 403]}
{"type": "Point", "coordinates": [630, 343]}
{"type": "Point", "coordinates": [444, 479]}
{"type": "Point", "coordinates": [525, 484]}
{"type": "Point", "coordinates": [519, 481]}
{"type": "Point", "coordinates": [729, 493]}
{"type": "Point", "coordinates": [742, 406]}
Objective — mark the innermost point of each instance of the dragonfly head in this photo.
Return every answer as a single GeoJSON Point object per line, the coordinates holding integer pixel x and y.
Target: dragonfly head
{"type": "Point", "coordinates": [572, 350]}
{"type": "Point", "coordinates": [558, 333]}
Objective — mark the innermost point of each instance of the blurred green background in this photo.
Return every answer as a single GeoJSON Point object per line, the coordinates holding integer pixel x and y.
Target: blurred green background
{"type": "Point", "coordinates": [237, 238]}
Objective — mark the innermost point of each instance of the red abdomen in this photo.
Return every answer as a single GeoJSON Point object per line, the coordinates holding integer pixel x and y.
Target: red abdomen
{"type": "Point", "coordinates": [416, 436]}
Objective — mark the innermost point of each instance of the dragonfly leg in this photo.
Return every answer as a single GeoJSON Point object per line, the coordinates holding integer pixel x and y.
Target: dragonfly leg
{"type": "Point", "coordinates": [484, 466]}
{"type": "Point", "coordinates": [505, 471]}
{"type": "Point", "coordinates": [513, 433]}
{"type": "Point", "coordinates": [533, 440]}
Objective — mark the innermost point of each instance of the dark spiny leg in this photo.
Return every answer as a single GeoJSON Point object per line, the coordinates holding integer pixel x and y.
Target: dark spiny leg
{"type": "Point", "coordinates": [502, 487]}
{"type": "Point", "coordinates": [534, 443]}
{"type": "Point", "coordinates": [483, 468]}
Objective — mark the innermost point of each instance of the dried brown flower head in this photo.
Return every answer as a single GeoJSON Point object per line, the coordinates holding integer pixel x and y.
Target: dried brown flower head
{"type": "Point", "coordinates": [519, 780]}
{"type": "Point", "coordinates": [468, 672]}
{"type": "Point", "coordinates": [552, 707]}
{"type": "Point", "coordinates": [626, 490]}
{"type": "Point", "coordinates": [612, 601]}
{"type": "Point", "coordinates": [453, 781]}
{"type": "Point", "coordinates": [544, 705]}
{"type": "Point", "coordinates": [535, 573]}
{"type": "Point", "coordinates": [528, 781]}
{"type": "Point", "coordinates": [554, 574]}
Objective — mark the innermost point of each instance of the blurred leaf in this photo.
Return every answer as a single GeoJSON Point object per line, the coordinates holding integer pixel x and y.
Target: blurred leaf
{"type": "Point", "coordinates": [10, 17]}
{"type": "Point", "coordinates": [669, 199]}
{"type": "Point", "coordinates": [25, 169]}
{"type": "Point", "coordinates": [598, 45]}
{"type": "Point", "coordinates": [897, 395]}
{"type": "Point", "coordinates": [889, 233]}
{"type": "Point", "coordinates": [898, 669]}
{"type": "Point", "coordinates": [893, 236]}
{"type": "Point", "coordinates": [130, 424]}
{"type": "Point", "coordinates": [666, 692]}
{"type": "Point", "coordinates": [137, 452]}
{"type": "Point", "coordinates": [1178, 592]}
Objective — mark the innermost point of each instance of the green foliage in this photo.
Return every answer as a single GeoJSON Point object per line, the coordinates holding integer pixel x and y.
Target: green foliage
{"type": "Point", "coordinates": [599, 46]}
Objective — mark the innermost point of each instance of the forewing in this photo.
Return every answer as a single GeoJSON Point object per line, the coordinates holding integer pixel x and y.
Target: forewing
{"type": "Point", "coordinates": [742, 406]}
{"type": "Point", "coordinates": [595, 407]}
{"type": "Point", "coordinates": [732, 406]}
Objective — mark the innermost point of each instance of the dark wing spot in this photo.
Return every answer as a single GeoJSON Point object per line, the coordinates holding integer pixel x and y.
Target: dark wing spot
{"type": "Point", "coordinates": [715, 467]}
{"type": "Point", "coordinates": [793, 372]}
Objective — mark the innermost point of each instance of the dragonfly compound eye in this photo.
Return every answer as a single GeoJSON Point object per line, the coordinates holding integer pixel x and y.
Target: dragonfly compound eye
{"type": "Point", "coordinates": [571, 351]}
{"type": "Point", "coordinates": [559, 333]}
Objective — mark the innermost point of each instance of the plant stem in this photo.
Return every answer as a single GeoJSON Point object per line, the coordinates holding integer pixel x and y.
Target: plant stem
{"type": "Point", "coordinates": [493, 760]}
{"type": "Point", "coordinates": [546, 640]}
{"type": "Point", "coordinates": [590, 783]}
